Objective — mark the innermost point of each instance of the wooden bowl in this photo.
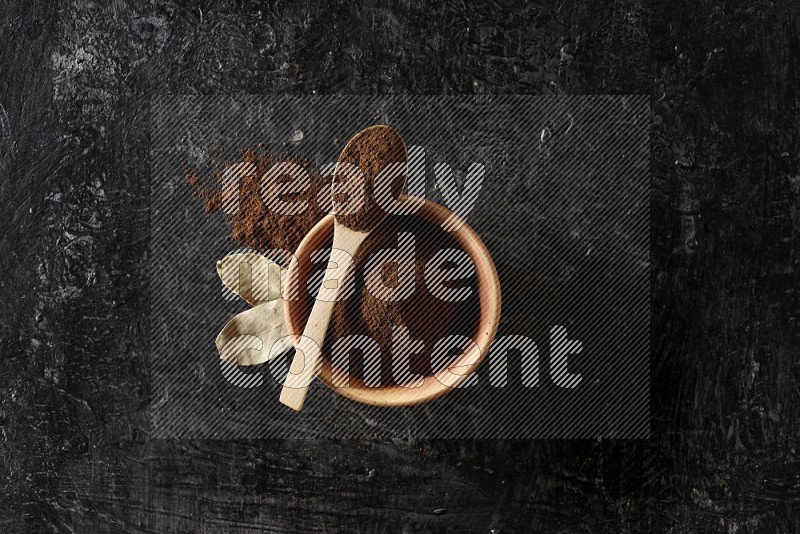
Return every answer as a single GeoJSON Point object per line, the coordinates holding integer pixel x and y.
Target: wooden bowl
{"type": "Point", "coordinates": [433, 386]}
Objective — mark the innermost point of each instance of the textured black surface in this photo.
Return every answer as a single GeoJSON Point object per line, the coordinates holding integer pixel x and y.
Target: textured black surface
{"type": "Point", "coordinates": [74, 447]}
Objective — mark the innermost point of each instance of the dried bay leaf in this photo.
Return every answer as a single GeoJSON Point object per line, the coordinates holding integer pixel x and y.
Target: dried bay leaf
{"type": "Point", "coordinates": [254, 336]}
{"type": "Point", "coordinates": [251, 276]}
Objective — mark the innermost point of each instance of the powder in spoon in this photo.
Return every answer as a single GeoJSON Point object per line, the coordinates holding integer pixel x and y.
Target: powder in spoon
{"type": "Point", "coordinates": [371, 150]}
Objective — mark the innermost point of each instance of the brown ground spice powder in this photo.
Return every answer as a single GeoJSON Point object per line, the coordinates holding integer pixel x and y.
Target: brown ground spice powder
{"type": "Point", "coordinates": [426, 317]}
{"type": "Point", "coordinates": [371, 150]}
{"type": "Point", "coordinates": [253, 225]}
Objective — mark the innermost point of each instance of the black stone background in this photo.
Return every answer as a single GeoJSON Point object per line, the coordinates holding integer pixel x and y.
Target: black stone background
{"type": "Point", "coordinates": [75, 80]}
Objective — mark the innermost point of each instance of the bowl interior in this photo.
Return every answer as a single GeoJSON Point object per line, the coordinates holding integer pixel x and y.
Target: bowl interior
{"type": "Point", "coordinates": [432, 386]}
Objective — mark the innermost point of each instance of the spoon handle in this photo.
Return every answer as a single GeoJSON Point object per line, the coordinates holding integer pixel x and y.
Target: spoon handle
{"type": "Point", "coordinates": [307, 358]}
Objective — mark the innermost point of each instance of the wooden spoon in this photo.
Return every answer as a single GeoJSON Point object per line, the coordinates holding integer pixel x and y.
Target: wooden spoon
{"type": "Point", "coordinates": [371, 150]}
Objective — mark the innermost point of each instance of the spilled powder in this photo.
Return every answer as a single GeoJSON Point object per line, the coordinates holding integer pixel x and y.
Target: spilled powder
{"type": "Point", "coordinates": [254, 225]}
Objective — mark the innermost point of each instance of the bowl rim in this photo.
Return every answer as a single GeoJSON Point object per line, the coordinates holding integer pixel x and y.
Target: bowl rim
{"type": "Point", "coordinates": [440, 383]}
